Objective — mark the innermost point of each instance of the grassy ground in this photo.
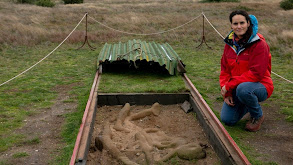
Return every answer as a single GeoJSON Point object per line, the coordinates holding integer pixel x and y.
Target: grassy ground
{"type": "Point", "coordinates": [30, 32]}
{"type": "Point", "coordinates": [34, 90]}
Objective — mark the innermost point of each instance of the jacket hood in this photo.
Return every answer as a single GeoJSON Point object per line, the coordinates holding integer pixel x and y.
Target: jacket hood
{"type": "Point", "coordinates": [254, 24]}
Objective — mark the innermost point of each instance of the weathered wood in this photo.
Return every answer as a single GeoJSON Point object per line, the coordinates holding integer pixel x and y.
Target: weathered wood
{"type": "Point", "coordinates": [141, 98]}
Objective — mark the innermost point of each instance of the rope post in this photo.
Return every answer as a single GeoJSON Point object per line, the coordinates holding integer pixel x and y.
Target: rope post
{"type": "Point", "coordinates": [203, 40]}
{"type": "Point", "coordinates": [86, 38]}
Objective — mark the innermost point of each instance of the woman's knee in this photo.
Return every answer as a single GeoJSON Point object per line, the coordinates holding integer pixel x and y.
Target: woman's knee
{"type": "Point", "coordinates": [228, 114]}
{"type": "Point", "coordinates": [228, 121]}
{"type": "Point", "coordinates": [243, 91]}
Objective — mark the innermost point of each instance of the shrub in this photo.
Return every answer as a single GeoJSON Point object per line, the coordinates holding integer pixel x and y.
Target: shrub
{"type": "Point", "coordinates": [26, 1]}
{"type": "Point", "coordinates": [72, 1]}
{"type": "Point", "coordinates": [220, 0]}
{"type": "Point", "coordinates": [286, 4]}
{"type": "Point", "coordinates": [45, 3]}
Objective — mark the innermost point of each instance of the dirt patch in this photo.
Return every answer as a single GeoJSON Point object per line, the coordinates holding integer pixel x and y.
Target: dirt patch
{"type": "Point", "coordinates": [42, 131]}
{"type": "Point", "coordinates": [172, 123]}
{"type": "Point", "coordinates": [273, 142]}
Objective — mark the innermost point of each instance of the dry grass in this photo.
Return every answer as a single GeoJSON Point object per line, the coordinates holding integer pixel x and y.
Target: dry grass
{"type": "Point", "coordinates": [287, 34]}
{"type": "Point", "coordinates": [262, 1]}
{"type": "Point", "coordinates": [29, 24]}
{"type": "Point", "coordinates": [23, 24]}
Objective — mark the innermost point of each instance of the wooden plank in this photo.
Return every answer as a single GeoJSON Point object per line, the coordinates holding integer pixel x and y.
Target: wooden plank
{"type": "Point", "coordinates": [141, 98]}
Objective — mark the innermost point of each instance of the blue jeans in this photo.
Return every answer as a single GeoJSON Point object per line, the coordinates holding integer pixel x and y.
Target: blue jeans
{"type": "Point", "coordinates": [246, 98]}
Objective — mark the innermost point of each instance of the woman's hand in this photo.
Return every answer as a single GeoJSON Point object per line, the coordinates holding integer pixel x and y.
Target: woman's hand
{"type": "Point", "coordinates": [229, 100]}
{"type": "Point", "coordinates": [223, 91]}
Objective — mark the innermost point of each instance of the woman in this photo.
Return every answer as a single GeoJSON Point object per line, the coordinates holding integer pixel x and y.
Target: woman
{"type": "Point", "coordinates": [245, 77]}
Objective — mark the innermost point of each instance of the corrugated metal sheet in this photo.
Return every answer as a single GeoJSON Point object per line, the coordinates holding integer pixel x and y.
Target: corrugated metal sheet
{"type": "Point", "coordinates": [134, 50]}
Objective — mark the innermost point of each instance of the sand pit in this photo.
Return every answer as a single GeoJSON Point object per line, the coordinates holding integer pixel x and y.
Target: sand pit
{"type": "Point", "coordinates": [157, 134]}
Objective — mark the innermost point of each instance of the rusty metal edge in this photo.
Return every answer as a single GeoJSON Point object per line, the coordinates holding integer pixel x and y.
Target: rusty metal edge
{"type": "Point", "coordinates": [88, 130]}
{"type": "Point", "coordinates": [223, 137]}
{"type": "Point", "coordinates": [80, 134]}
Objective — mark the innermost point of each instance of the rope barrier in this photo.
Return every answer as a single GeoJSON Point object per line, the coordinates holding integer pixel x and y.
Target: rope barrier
{"type": "Point", "coordinates": [146, 34]}
{"type": "Point", "coordinates": [213, 26]}
{"type": "Point", "coordinates": [46, 55]}
{"type": "Point", "coordinates": [282, 77]}
{"type": "Point", "coordinates": [124, 33]}
{"type": "Point", "coordinates": [224, 38]}
{"type": "Point", "coordinates": [120, 56]}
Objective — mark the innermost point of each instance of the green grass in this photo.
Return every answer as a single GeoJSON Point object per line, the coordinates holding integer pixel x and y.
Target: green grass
{"type": "Point", "coordinates": [9, 139]}
{"type": "Point", "coordinates": [20, 155]}
{"type": "Point", "coordinates": [33, 91]}
{"type": "Point", "coordinates": [4, 162]}
{"type": "Point", "coordinates": [173, 161]}
{"type": "Point", "coordinates": [132, 81]}
{"type": "Point", "coordinates": [73, 121]}
{"type": "Point", "coordinates": [35, 140]}
{"type": "Point", "coordinates": [282, 65]}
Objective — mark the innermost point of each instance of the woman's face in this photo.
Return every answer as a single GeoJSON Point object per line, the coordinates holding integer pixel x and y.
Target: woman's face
{"type": "Point", "coordinates": [239, 25]}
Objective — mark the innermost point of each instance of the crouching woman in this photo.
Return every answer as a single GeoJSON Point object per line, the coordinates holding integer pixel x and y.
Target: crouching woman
{"type": "Point", "coordinates": [245, 77]}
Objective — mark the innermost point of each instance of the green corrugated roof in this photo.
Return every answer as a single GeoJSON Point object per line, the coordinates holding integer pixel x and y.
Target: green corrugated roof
{"type": "Point", "coordinates": [134, 50]}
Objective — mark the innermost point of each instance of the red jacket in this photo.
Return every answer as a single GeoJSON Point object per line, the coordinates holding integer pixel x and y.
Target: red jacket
{"type": "Point", "coordinates": [252, 64]}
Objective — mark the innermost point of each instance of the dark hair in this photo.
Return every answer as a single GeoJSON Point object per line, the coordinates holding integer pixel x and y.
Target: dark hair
{"type": "Point", "coordinates": [248, 33]}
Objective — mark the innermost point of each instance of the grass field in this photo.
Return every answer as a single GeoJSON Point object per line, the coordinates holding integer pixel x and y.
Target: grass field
{"type": "Point", "coordinates": [28, 33]}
